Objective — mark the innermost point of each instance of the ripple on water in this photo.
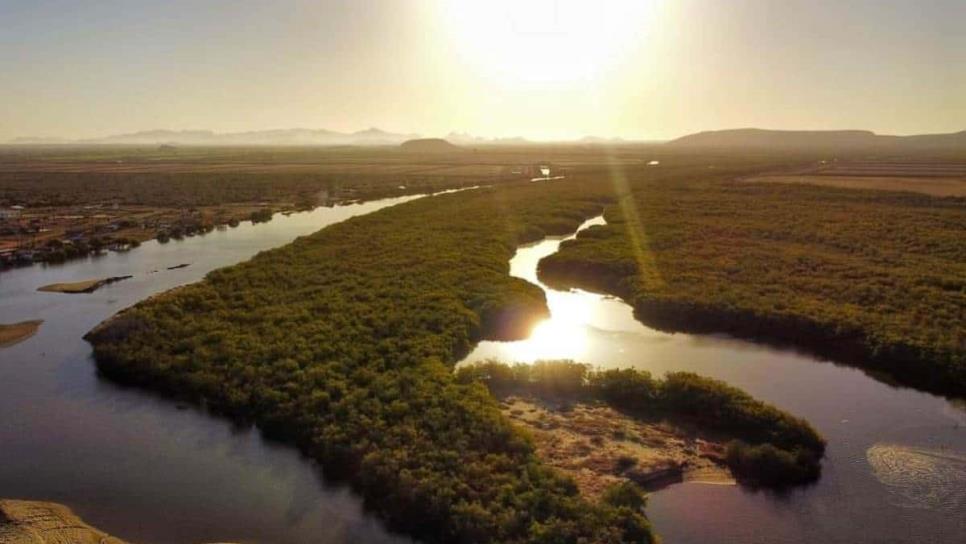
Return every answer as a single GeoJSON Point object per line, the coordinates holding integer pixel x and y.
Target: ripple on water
{"type": "Point", "coordinates": [920, 477]}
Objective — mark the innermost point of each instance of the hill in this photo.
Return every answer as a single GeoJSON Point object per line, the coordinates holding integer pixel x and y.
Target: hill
{"type": "Point", "coordinates": [284, 137]}
{"type": "Point", "coordinates": [429, 145]}
{"type": "Point", "coordinates": [816, 139]}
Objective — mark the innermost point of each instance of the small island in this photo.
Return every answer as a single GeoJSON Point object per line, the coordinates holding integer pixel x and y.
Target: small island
{"type": "Point", "coordinates": [15, 333]}
{"type": "Point", "coordinates": [86, 286]}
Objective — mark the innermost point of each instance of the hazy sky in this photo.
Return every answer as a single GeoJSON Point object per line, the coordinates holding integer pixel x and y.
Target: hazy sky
{"type": "Point", "coordinates": [537, 68]}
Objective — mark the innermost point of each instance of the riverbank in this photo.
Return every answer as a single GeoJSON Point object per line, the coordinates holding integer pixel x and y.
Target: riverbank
{"type": "Point", "coordinates": [40, 522]}
{"type": "Point", "coordinates": [15, 333]}
{"type": "Point", "coordinates": [897, 362]}
{"type": "Point", "coordinates": [34, 522]}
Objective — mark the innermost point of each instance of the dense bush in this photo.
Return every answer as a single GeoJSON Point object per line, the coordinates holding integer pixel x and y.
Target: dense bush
{"type": "Point", "coordinates": [261, 216]}
{"type": "Point", "coordinates": [196, 189]}
{"type": "Point", "coordinates": [874, 279]}
{"type": "Point", "coordinates": [212, 176]}
{"type": "Point", "coordinates": [766, 465]}
{"type": "Point", "coordinates": [718, 405]}
{"type": "Point", "coordinates": [343, 342]}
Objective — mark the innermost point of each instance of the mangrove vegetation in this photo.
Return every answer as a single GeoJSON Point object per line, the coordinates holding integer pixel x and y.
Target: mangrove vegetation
{"type": "Point", "coordinates": [344, 341]}
{"type": "Point", "coordinates": [869, 278]}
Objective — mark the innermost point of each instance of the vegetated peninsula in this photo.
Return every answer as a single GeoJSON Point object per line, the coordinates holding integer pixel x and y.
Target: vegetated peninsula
{"type": "Point", "coordinates": [869, 278]}
{"type": "Point", "coordinates": [343, 342]}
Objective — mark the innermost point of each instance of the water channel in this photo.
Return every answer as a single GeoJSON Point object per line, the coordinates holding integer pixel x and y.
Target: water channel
{"type": "Point", "coordinates": [895, 468]}
{"type": "Point", "coordinates": [136, 465]}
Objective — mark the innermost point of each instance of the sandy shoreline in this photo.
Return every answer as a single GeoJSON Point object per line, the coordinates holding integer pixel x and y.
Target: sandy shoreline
{"type": "Point", "coordinates": [39, 522]}
{"type": "Point", "coordinates": [34, 522]}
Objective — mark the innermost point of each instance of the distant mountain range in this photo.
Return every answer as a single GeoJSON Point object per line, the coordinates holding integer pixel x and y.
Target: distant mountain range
{"type": "Point", "coordinates": [293, 136]}
{"type": "Point", "coordinates": [742, 138]}
{"type": "Point", "coordinates": [462, 138]}
{"type": "Point", "coordinates": [817, 139]}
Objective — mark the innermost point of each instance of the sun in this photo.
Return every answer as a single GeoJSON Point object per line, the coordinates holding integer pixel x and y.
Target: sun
{"type": "Point", "coordinates": [532, 42]}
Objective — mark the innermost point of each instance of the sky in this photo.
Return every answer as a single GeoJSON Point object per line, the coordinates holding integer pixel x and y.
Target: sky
{"type": "Point", "coordinates": [542, 69]}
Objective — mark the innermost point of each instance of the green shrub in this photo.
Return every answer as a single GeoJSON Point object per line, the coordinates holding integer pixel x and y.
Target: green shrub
{"type": "Point", "coordinates": [766, 465]}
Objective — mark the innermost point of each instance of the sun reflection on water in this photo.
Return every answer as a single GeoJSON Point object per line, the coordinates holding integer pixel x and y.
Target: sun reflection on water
{"type": "Point", "coordinates": [564, 334]}
{"type": "Point", "coordinates": [550, 339]}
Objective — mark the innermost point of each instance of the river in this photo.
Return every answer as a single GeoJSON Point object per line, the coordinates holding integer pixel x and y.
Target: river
{"type": "Point", "coordinates": [133, 464]}
{"type": "Point", "coordinates": [149, 470]}
{"type": "Point", "coordinates": [895, 468]}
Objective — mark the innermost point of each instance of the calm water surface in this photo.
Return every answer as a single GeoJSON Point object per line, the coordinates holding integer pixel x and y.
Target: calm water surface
{"type": "Point", "coordinates": [134, 464]}
{"type": "Point", "coordinates": [895, 469]}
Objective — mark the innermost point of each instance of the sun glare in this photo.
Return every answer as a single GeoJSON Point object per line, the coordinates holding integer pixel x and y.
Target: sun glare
{"type": "Point", "coordinates": [562, 336]}
{"type": "Point", "coordinates": [544, 41]}
{"type": "Point", "coordinates": [552, 339]}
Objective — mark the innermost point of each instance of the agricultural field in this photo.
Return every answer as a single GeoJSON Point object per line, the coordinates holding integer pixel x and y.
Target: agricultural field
{"type": "Point", "coordinates": [931, 177]}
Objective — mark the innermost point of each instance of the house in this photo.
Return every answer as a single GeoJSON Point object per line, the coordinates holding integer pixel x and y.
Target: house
{"type": "Point", "coordinates": [8, 255]}
{"type": "Point", "coordinates": [12, 212]}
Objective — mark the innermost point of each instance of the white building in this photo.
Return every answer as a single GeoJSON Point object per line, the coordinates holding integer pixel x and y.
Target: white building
{"type": "Point", "coordinates": [12, 212]}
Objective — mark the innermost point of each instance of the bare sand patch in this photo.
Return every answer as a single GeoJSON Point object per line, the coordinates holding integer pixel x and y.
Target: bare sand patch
{"type": "Point", "coordinates": [15, 333]}
{"type": "Point", "coordinates": [599, 446]}
{"type": "Point", "coordinates": [37, 522]}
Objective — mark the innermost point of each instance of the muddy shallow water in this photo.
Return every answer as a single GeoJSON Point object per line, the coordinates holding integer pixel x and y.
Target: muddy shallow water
{"type": "Point", "coordinates": [895, 469]}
